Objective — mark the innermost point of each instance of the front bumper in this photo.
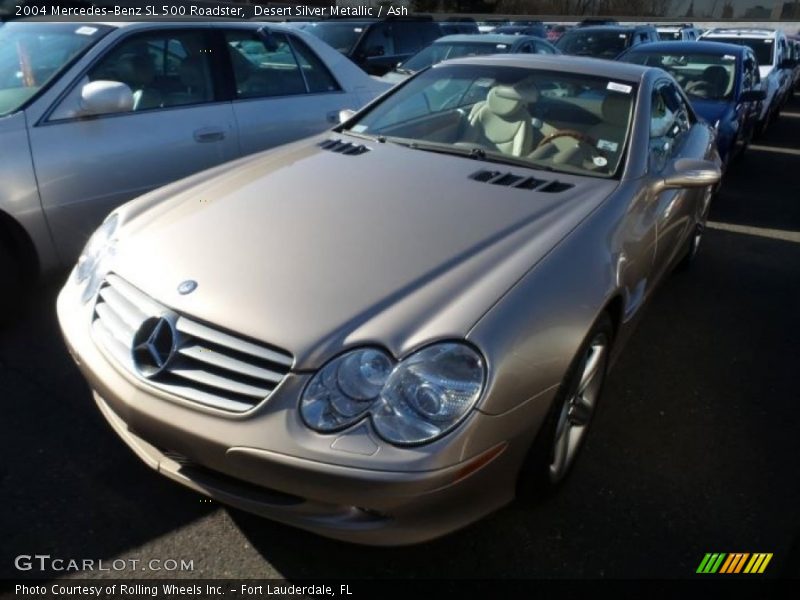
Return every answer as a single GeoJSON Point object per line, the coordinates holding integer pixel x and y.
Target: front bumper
{"type": "Point", "coordinates": [348, 486]}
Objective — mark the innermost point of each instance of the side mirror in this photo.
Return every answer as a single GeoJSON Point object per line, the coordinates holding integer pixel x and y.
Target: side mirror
{"type": "Point", "coordinates": [753, 96]}
{"type": "Point", "coordinates": [346, 114]}
{"type": "Point", "coordinates": [689, 173]}
{"type": "Point", "coordinates": [105, 97]}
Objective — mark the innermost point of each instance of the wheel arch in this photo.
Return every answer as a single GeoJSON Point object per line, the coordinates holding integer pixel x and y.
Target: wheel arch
{"type": "Point", "coordinates": [15, 240]}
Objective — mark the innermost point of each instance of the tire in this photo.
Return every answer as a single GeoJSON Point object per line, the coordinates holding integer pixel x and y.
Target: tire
{"type": "Point", "coordinates": [564, 431]}
{"type": "Point", "coordinates": [13, 288]}
{"type": "Point", "coordinates": [693, 244]}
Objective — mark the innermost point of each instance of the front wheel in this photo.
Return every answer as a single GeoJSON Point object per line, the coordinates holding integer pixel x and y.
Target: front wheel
{"type": "Point", "coordinates": [564, 432]}
{"type": "Point", "coordinates": [12, 288]}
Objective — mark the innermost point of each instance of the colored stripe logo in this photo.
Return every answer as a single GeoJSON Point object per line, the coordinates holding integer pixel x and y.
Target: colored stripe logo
{"type": "Point", "coordinates": [735, 562]}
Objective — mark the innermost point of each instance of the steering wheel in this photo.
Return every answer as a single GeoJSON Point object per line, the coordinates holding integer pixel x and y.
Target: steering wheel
{"type": "Point", "coordinates": [578, 135]}
{"type": "Point", "coordinates": [597, 156]}
{"type": "Point", "coordinates": [700, 88]}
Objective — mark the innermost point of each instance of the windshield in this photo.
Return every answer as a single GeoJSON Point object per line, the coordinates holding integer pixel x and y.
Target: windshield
{"type": "Point", "coordinates": [34, 54]}
{"type": "Point", "coordinates": [761, 48]}
{"type": "Point", "coordinates": [436, 53]}
{"type": "Point", "coordinates": [600, 44]}
{"type": "Point", "coordinates": [669, 36]}
{"type": "Point", "coordinates": [342, 36]}
{"type": "Point", "coordinates": [540, 119]}
{"type": "Point", "coordinates": [705, 76]}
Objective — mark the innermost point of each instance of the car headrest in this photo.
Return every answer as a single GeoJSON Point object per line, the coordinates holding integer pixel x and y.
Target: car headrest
{"type": "Point", "coordinates": [717, 75]}
{"type": "Point", "coordinates": [192, 72]}
{"type": "Point", "coordinates": [504, 100]}
{"type": "Point", "coordinates": [616, 109]}
{"type": "Point", "coordinates": [137, 70]}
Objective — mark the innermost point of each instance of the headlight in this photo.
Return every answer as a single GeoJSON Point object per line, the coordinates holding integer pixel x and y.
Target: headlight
{"type": "Point", "coordinates": [92, 264]}
{"type": "Point", "coordinates": [414, 401]}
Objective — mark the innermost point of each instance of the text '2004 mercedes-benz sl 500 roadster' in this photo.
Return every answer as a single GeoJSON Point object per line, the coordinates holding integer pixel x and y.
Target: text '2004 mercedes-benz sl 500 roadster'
{"type": "Point", "coordinates": [385, 332]}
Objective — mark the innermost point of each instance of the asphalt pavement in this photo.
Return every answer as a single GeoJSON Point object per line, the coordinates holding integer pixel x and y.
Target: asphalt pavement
{"type": "Point", "coordinates": [695, 448]}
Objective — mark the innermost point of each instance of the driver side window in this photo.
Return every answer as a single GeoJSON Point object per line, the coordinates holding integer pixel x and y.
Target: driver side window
{"type": "Point", "coordinates": [670, 120]}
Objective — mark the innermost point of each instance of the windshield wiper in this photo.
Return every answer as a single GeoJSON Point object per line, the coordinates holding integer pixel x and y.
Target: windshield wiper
{"type": "Point", "coordinates": [474, 153]}
{"type": "Point", "coordinates": [362, 136]}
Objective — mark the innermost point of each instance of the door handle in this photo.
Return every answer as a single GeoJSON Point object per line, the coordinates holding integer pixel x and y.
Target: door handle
{"type": "Point", "coordinates": [333, 117]}
{"type": "Point", "coordinates": [209, 134]}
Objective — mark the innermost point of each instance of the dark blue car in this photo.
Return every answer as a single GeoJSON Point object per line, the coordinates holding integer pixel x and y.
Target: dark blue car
{"type": "Point", "coordinates": [721, 81]}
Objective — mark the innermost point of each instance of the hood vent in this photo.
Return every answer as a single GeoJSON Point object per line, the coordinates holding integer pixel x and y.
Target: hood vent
{"type": "Point", "coordinates": [343, 147]}
{"type": "Point", "coordinates": [519, 181]}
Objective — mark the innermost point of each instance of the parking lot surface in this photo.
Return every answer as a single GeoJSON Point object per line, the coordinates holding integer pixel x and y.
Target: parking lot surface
{"type": "Point", "coordinates": [695, 447]}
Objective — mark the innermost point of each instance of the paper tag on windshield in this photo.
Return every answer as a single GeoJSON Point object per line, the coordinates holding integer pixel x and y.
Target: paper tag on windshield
{"type": "Point", "coordinates": [619, 87]}
{"type": "Point", "coordinates": [607, 145]}
{"type": "Point", "coordinates": [86, 30]}
{"type": "Point", "coordinates": [358, 128]}
{"type": "Point", "coordinates": [600, 161]}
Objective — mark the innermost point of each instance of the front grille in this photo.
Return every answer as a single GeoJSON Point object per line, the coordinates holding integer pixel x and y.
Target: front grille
{"type": "Point", "coordinates": [207, 365]}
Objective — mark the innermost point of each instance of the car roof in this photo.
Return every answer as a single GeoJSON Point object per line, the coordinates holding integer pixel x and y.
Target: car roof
{"type": "Point", "coordinates": [751, 32]}
{"type": "Point", "coordinates": [573, 64]}
{"type": "Point", "coordinates": [613, 28]}
{"type": "Point", "coordinates": [488, 38]}
{"type": "Point", "coordinates": [690, 47]}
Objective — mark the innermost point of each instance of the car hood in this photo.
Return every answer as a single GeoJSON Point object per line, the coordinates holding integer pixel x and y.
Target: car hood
{"type": "Point", "coordinates": [313, 250]}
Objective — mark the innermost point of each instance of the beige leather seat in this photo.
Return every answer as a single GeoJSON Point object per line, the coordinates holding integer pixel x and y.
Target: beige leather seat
{"type": "Point", "coordinates": [502, 122]}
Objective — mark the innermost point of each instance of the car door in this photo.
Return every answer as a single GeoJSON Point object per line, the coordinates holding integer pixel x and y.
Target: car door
{"type": "Point", "coordinates": [88, 165]}
{"type": "Point", "coordinates": [671, 120]}
{"type": "Point", "coordinates": [283, 91]}
{"type": "Point", "coordinates": [748, 111]}
{"type": "Point", "coordinates": [376, 52]}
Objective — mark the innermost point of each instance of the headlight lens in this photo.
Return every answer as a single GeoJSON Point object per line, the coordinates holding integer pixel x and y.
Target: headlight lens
{"type": "Point", "coordinates": [411, 402]}
{"type": "Point", "coordinates": [89, 269]}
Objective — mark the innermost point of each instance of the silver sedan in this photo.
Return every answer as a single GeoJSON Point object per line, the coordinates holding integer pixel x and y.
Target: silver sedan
{"type": "Point", "coordinates": [94, 114]}
{"type": "Point", "coordinates": [387, 357]}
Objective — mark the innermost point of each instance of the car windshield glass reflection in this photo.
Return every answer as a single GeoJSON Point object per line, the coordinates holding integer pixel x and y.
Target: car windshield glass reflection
{"type": "Point", "coordinates": [601, 44]}
{"type": "Point", "coordinates": [436, 53]}
{"type": "Point", "coordinates": [33, 54]}
{"type": "Point", "coordinates": [342, 36]}
{"type": "Point", "coordinates": [705, 76]}
{"type": "Point", "coordinates": [761, 48]}
{"type": "Point", "coordinates": [546, 119]}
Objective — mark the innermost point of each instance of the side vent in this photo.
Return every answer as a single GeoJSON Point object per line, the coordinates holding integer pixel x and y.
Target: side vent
{"type": "Point", "coordinates": [342, 147]}
{"type": "Point", "coordinates": [520, 182]}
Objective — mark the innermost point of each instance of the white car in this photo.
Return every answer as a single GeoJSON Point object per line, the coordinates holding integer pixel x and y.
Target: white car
{"type": "Point", "coordinates": [94, 114]}
{"type": "Point", "coordinates": [772, 53]}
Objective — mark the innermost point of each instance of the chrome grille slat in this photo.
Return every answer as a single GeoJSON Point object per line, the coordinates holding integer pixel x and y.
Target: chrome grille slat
{"type": "Point", "coordinates": [118, 350]}
{"type": "Point", "coordinates": [123, 308]}
{"type": "Point", "coordinates": [195, 395]}
{"type": "Point", "coordinates": [206, 366]}
{"type": "Point", "coordinates": [115, 325]}
{"type": "Point", "coordinates": [216, 381]}
{"type": "Point", "coordinates": [201, 331]}
{"type": "Point", "coordinates": [136, 298]}
{"type": "Point", "coordinates": [217, 359]}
